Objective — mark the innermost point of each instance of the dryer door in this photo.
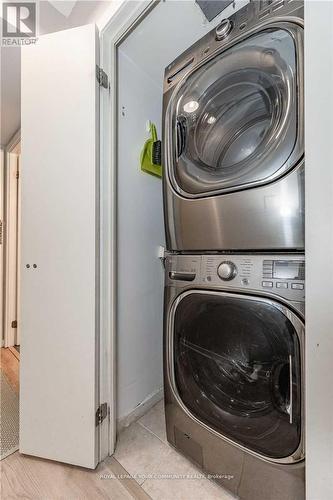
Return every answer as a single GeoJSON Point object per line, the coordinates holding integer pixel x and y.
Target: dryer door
{"type": "Point", "coordinates": [237, 369]}
{"type": "Point", "coordinates": [236, 122]}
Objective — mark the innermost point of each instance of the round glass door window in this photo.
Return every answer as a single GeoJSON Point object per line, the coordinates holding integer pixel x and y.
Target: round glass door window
{"type": "Point", "coordinates": [234, 120]}
{"type": "Point", "coordinates": [237, 369]}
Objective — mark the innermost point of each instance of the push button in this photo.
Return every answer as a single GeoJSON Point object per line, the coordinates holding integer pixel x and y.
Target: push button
{"type": "Point", "coordinates": [267, 284]}
{"type": "Point", "coordinates": [297, 286]}
{"type": "Point", "coordinates": [281, 284]}
{"type": "Point", "coordinates": [223, 29]}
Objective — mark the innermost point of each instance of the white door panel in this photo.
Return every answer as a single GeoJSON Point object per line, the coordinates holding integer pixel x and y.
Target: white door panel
{"type": "Point", "coordinates": [59, 319]}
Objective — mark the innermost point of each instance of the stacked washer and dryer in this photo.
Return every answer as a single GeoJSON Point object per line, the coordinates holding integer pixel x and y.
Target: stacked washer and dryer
{"type": "Point", "coordinates": [234, 282]}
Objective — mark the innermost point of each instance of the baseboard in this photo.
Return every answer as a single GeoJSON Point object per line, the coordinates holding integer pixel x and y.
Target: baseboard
{"type": "Point", "coordinates": [15, 353]}
{"type": "Point", "coordinates": [140, 410]}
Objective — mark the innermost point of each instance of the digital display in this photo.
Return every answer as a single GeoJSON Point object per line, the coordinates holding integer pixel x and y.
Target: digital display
{"type": "Point", "coordinates": [288, 269]}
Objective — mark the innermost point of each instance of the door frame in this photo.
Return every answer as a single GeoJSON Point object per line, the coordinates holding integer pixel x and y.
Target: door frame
{"type": "Point", "coordinates": [318, 248]}
{"type": "Point", "coordinates": [2, 267]}
{"type": "Point", "coordinates": [11, 240]}
{"type": "Point", "coordinates": [112, 34]}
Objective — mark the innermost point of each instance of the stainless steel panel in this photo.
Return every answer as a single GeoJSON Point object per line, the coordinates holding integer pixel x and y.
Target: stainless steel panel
{"type": "Point", "coordinates": [269, 217]}
{"type": "Point", "coordinates": [242, 474]}
{"type": "Point", "coordinates": [263, 481]}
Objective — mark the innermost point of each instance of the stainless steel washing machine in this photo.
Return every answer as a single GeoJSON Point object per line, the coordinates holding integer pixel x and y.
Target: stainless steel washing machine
{"type": "Point", "coordinates": [234, 369]}
{"type": "Point", "coordinates": [233, 135]}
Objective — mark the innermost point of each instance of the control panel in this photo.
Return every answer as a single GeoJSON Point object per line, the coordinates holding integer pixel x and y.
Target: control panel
{"type": "Point", "coordinates": [282, 275]}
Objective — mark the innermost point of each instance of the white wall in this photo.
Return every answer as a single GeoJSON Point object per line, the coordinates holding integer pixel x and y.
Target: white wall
{"type": "Point", "coordinates": [166, 32]}
{"type": "Point", "coordinates": [319, 248]}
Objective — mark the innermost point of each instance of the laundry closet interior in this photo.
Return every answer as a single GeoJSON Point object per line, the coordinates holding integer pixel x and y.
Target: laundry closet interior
{"type": "Point", "coordinates": [165, 32]}
{"type": "Point", "coordinates": [192, 286]}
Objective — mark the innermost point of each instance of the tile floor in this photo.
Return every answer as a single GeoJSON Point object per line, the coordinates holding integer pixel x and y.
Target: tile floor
{"type": "Point", "coordinates": [142, 449]}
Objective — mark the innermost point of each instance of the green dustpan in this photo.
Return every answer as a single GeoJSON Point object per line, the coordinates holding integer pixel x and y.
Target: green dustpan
{"type": "Point", "coordinates": [150, 157]}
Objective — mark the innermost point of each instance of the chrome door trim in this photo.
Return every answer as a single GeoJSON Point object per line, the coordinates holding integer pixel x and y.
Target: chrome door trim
{"type": "Point", "coordinates": [295, 27]}
{"type": "Point", "coordinates": [299, 453]}
{"type": "Point", "coordinates": [290, 389]}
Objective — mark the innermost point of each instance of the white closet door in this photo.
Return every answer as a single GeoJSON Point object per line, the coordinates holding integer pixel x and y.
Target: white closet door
{"type": "Point", "coordinates": [59, 258]}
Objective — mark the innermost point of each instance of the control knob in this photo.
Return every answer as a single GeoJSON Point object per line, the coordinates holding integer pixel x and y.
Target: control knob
{"type": "Point", "coordinates": [223, 29]}
{"type": "Point", "coordinates": [227, 270]}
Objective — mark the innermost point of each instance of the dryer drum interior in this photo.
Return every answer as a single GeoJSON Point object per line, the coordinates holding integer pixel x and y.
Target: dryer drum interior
{"type": "Point", "coordinates": [234, 121]}
{"type": "Point", "coordinates": [237, 368]}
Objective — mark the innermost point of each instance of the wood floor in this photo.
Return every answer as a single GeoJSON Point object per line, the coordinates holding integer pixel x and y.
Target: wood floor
{"type": "Point", "coordinates": [136, 470]}
{"type": "Point", "coordinates": [10, 366]}
{"type": "Point", "coordinates": [36, 479]}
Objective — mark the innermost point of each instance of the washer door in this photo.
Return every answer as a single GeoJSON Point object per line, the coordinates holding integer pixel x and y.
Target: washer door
{"type": "Point", "coordinates": [237, 369]}
{"type": "Point", "coordinates": [234, 121]}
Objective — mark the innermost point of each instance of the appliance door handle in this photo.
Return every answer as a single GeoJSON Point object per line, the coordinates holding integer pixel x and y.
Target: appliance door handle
{"type": "Point", "coordinates": [290, 389]}
{"type": "Point", "coordinates": [174, 275]}
{"type": "Point", "coordinates": [181, 133]}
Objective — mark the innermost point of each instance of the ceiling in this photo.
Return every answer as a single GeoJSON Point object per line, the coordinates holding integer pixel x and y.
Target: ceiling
{"type": "Point", "coordinates": [53, 16]}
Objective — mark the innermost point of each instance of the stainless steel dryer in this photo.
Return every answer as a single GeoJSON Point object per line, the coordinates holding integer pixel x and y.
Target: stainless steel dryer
{"type": "Point", "coordinates": [233, 134]}
{"type": "Point", "coordinates": [234, 369]}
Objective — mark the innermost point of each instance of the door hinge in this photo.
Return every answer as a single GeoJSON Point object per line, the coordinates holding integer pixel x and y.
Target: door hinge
{"type": "Point", "coordinates": [102, 77]}
{"type": "Point", "coordinates": [14, 324]}
{"type": "Point", "coordinates": [17, 175]}
{"type": "Point", "coordinates": [101, 413]}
